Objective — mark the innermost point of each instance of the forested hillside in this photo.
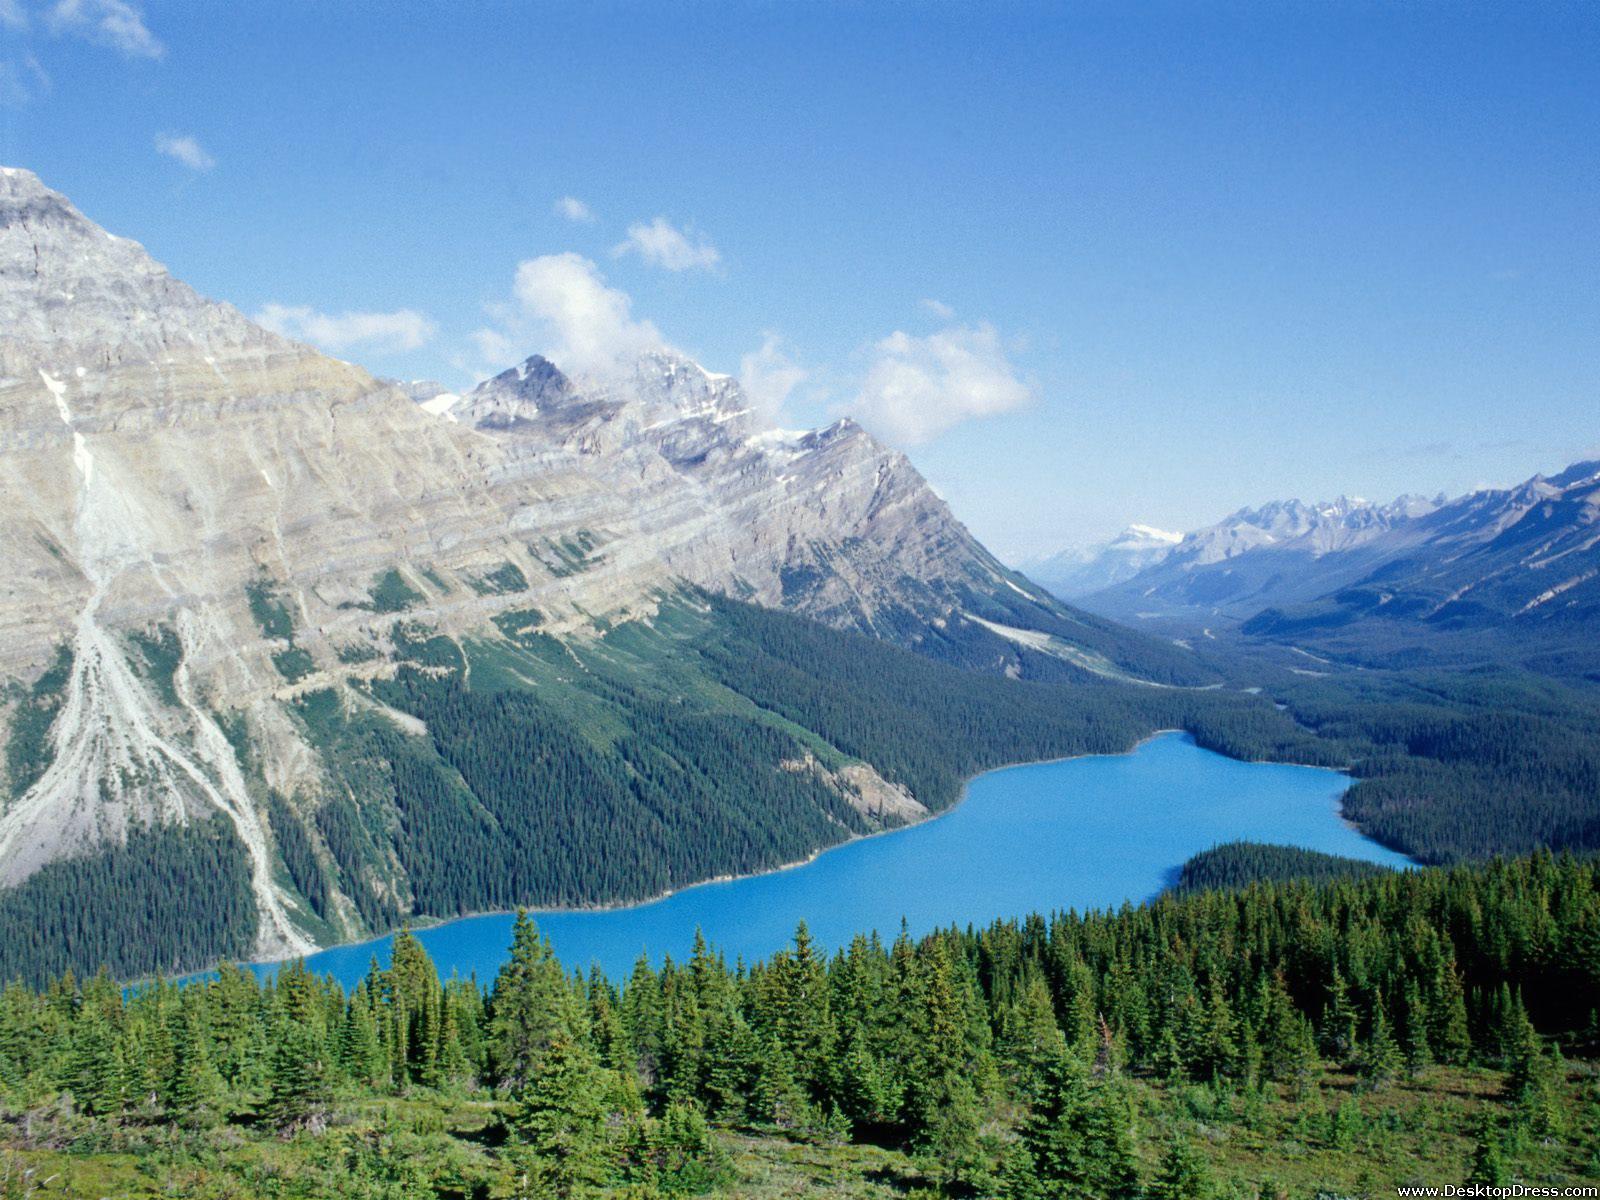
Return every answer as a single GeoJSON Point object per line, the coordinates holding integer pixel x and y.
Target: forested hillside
{"type": "Point", "coordinates": [1277, 1041]}
{"type": "Point", "coordinates": [1239, 864]}
{"type": "Point", "coordinates": [721, 738]}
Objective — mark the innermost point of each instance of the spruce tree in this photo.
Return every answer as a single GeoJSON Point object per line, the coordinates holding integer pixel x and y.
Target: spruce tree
{"type": "Point", "coordinates": [1338, 1031]}
{"type": "Point", "coordinates": [1183, 1175]}
{"type": "Point", "coordinates": [1078, 1138]}
{"type": "Point", "coordinates": [533, 1007]}
{"type": "Point", "coordinates": [1381, 1060]}
{"type": "Point", "coordinates": [299, 1093]}
{"type": "Point", "coordinates": [96, 1076]}
{"type": "Point", "coordinates": [559, 1118]}
{"type": "Point", "coordinates": [1488, 1160]}
{"type": "Point", "coordinates": [194, 1084]}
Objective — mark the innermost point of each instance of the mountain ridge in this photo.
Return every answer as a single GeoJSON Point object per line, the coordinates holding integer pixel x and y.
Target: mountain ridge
{"type": "Point", "coordinates": [1496, 562]}
{"type": "Point", "coordinates": [229, 551]}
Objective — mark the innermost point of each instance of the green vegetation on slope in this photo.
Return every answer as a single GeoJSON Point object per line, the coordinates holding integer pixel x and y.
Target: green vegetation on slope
{"type": "Point", "coordinates": [28, 748]}
{"type": "Point", "coordinates": [1288, 1040]}
{"type": "Point", "coordinates": [708, 741]}
{"type": "Point", "coordinates": [171, 898]}
{"type": "Point", "coordinates": [1448, 765]}
{"type": "Point", "coordinates": [1239, 864]}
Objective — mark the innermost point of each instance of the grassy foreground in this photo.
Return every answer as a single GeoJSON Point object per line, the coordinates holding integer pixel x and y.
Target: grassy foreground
{"type": "Point", "coordinates": [1341, 1141]}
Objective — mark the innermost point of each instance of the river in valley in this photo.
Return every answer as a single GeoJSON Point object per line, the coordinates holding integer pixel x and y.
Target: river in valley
{"type": "Point", "coordinates": [1079, 833]}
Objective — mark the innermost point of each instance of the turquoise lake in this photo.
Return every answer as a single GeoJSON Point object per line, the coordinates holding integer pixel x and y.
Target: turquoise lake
{"type": "Point", "coordinates": [1080, 833]}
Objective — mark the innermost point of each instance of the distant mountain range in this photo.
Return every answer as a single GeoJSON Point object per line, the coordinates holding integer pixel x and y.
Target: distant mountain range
{"type": "Point", "coordinates": [1082, 570]}
{"type": "Point", "coordinates": [1518, 565]}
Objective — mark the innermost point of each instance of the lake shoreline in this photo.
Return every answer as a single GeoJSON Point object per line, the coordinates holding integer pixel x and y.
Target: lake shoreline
{"type": "Point", "coordinates": [431, 923]}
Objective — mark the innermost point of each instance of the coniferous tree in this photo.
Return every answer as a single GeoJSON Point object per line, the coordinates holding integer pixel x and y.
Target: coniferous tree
{"type": "Point", "coordinates": [1183, 1175]}
{"type": "Point", "coordinates": [1488, 1160]}
{"type": "Point", "coordinates": [1078, 1140]}
{"type": "Point", "coordinates": [1381, 1060]}
{"type": "Point", "coordinates": [1339, 1027]}
{"type": "Point", "coordinates": [533, 1007]}
{"type": "Point", "coordinates": [193, 1084]}
{"type": "Point", "coordinates": [300, 1091]}
{"type": "Point", "coordinates": [96, 1075]}
{"type": "Point", "coordinates": [559, 1118]}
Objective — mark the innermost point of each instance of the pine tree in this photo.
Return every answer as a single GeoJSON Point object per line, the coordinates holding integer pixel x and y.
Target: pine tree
{"type": "Point", "coordinates": [1183, 1175]}
{"type": "Point", "coordinates": [1414, 1042]}
{"type": "Point", "coordinates": [948, 1146]}
{"type": "Point", "coordinates": [1381, 1060]}
{"type": "Point", "coordinates": [1031, 1041]}
{"type": "Point", "coordinates": [533, 1007]}
{"type": "Point", "coordinates": [1449, 1034]}
{"type": "Point", "coordinates": [866, 1095]}
{"type": "Point", "coordinates": [1288, 1045]}
{"type": "Point", "coordinates": [1338, 1032]}
{"type": "Point", "coordinates": [777, 1098]}
{"type": "Point", "coordinates": [97, 1076]}
{"type": "Point", "coordinates": [1078, 1139]}
{"type": "Point", "coordinates": [361, 1052]}
{"type": "Point", "coordinates": [558, 1116]}
{"type": "Point", "coordinates": [1533, 1081]}
{"type": "Point", "coordinates": [686, 1157]}
{"type": "Point", "coordinates": [299, 1092]}
{"type": "Point", "coordinates": [1488, 1161]}
{"type": "Point", "coordinates": [194, 1083]}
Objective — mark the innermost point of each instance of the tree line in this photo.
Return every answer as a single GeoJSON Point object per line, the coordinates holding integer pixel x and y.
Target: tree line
{"type": "Point", "coordinates": [1037, 1024]}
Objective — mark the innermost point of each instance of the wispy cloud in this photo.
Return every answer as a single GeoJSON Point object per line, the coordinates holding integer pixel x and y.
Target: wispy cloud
{"type": "Point", "coordinates": [663, 244]}
{"type": "Point", "coordinates": [404, 329]}
{"type": "Point", "coordinates": [114, 23]}
{"type": "Point", "coordinates": [22, 82]}
{"type": "Point", "coordinates": [563, 308]}
{"type": "Point", "coordinates": [916, 388]}
{"type": "Point", "coordinates": [576, 210]}
{"type": "Point", "coordinates": [185, 149]}
{"type": "Point", "coordinates": [13, 15]}
{"type": "Point", "coordinates": [769, 374]}
{"type": "Point", "coordinates": [939, 309]}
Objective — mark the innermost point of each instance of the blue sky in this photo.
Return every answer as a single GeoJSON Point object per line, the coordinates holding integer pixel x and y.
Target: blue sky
{"type": "Point", "coordinates": [1088, 263]}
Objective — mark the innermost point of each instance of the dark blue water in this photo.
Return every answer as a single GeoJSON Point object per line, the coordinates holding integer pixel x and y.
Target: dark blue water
{"type": "Point", "coordinates": [1081, 833]}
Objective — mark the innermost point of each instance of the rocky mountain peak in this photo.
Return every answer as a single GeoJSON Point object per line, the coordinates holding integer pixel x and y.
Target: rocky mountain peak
{"type": "Point", "coordinates": [66, 284]}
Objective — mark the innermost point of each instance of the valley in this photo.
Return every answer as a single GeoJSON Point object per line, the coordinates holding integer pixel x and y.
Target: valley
{"type": "Point", "coordinates": [1082, 834]}
{"type": "Point", "coordinates": [562, 635]}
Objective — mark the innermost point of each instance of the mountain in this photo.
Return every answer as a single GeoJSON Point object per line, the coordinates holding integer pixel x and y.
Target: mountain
{"type": "Point", "coordinates": [1281, 552]}
{"type": "Point", "coordinates": [348, 650]}
{"type": "Point", "coordinates": [1498, 574]}
{"type": "Point", "coordinates": [1516, 567]}
{"type": "Point", "coordinates": [1081, 570]}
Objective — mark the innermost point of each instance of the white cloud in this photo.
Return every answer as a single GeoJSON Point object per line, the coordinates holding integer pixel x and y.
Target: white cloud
{"type": "Point", "coordinates": [13, 15]}
{"type": "Point", "coordinates": [185, 149]}
{"type": "Point", "coordinates": [564, 309]}
{"type": "Point", "coordinates": [22, 82]}
{"type": "Point", "coordinates": [404, 329]}
{"type": "Point", "coordinates": [114, 23]}
{"type": "Point", "coordinates": [918, 387]}
{"type": "Point", "coordinates": [665, 245]}
{"type": "Point", "coordinates": [768, 375]}
{"type": "Point", "coordinates": [574, 209]}
{"type": "Point", "coordinates": [939, 309]}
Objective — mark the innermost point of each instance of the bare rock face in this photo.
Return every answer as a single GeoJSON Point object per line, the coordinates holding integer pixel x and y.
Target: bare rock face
{"type": "Point", "coordinates": [202, 519]}
{"type": "Point", "coordinates": [829, 523]}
